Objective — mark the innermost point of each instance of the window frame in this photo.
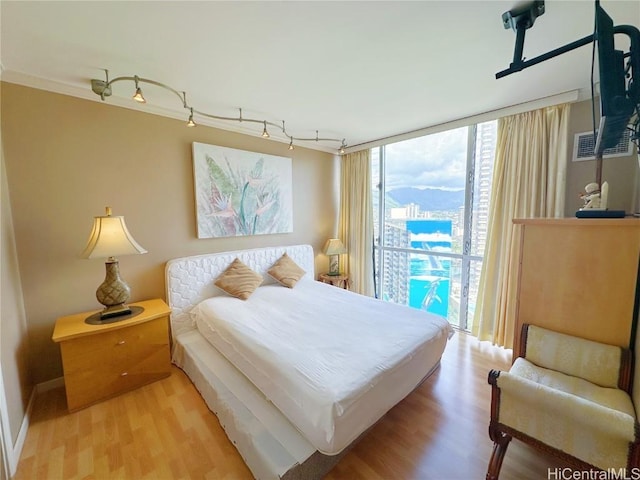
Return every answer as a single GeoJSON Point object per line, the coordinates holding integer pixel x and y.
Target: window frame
{"type": "Point", "coordinates": [466, 258]}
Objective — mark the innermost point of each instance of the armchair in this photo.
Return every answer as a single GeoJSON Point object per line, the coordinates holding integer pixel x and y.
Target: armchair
{"type": "Point", "coordinates": [567, 396]}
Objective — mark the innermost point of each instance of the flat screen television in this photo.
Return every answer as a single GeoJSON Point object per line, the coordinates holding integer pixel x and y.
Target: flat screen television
{"type": "Point", "coordinates": [617, 102]}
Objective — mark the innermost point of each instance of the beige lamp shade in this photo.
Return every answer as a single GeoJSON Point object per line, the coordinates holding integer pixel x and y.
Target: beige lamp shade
{"type": "Point", "coordinates": [334, 246]}
{"type": "Point", "coordinates": [110, 238]}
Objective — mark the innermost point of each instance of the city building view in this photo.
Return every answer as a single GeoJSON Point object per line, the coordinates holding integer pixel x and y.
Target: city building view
{"type": "Point", "coordinates": [431, 197]}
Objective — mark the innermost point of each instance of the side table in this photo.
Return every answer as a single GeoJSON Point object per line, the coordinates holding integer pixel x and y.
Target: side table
{"type": "Point", "coordinates": [341, 280]}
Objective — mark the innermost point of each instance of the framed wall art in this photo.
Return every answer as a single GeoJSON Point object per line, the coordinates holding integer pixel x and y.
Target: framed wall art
{"type": "Point", "coordinates": [240, 192]}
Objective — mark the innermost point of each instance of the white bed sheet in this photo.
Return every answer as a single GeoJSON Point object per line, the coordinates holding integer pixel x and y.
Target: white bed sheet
{"type": "Point", "coordinates": [267, 441]}
{"type": "Point", "coordinates": [332, 361]}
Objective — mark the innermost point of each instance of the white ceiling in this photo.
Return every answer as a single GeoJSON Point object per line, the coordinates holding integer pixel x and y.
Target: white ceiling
{"type": "Point", "coordinates": [357, 70]}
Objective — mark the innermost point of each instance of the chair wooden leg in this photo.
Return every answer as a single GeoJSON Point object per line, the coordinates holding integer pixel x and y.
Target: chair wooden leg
{"type": "Point", "coordinates": [500, 443]}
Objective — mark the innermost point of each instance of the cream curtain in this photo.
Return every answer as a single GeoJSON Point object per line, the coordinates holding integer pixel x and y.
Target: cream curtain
{"type": "Point", "coordinates": [528, 182]}
{"type": "Point", "coordinates": [355, 227]}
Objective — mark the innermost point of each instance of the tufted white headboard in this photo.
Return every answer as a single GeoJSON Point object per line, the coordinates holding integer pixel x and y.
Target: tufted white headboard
{"type": "Point", "coordinates": [189, 280]}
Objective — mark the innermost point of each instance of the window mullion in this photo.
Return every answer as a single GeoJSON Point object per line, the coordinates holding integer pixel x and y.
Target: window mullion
{"type": "Point", "coordinates": [468, 223]}
{"type": "Point", "coordinates": [381, 221]}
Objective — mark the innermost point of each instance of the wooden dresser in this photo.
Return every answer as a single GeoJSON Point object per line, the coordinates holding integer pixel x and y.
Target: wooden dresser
{"type": "Point", "coordinates": [101, 361]}
{"type": "Point", "coordinates": [579, 276]}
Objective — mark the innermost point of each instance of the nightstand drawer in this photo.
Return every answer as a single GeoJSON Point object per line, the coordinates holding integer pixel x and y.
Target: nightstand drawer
{"type": "Point", "coordinates": [114, 360]}
{"type": "Point", "coordinates": [113, 349]}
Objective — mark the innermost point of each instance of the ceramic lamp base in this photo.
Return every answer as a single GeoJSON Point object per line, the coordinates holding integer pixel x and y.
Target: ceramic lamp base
{"type": "Point", "coordinates": [114, 292]}
{"type": "Point", "coordinates": [334, 265]}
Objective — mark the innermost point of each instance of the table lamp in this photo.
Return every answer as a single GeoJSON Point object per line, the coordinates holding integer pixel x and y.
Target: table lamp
{"type": "Point", "coordinates": [334, 248]}
{"type": "Point", "coordinates": [110, 238]}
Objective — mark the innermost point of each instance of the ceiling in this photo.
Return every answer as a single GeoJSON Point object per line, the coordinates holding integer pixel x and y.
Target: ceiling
{"type": "Point", "coordinates": [356, 70]}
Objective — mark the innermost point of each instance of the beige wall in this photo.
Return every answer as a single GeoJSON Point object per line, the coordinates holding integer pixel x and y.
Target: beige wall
{"type": "Point", "coordinates": [619, 172]}
{"type": "Point", "coordinates": [68, 158]}
{"type": "Point", "coordinates": [13, 329]}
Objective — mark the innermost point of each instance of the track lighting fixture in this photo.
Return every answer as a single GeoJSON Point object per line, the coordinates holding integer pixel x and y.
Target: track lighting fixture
{"type": "Point", "coordinates": [103, 88]}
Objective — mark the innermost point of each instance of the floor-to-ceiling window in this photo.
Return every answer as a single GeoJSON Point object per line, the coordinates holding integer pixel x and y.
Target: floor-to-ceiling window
{"type": "Point", "coordinates": [431, 202]}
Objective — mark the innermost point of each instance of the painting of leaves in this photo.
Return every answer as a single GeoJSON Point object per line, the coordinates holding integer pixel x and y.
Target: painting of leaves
{"type": "Point", "coordinates": [241, 193]}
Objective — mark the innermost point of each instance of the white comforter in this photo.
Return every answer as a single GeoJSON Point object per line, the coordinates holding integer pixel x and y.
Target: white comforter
{"type": "Point", "coordinates": [332, 361]}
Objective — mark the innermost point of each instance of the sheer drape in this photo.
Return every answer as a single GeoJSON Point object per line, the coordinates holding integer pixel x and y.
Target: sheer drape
{"type": "Point", "coordinates": [528, 182]}
{"type": "Point", "coordinates": [356, 220]}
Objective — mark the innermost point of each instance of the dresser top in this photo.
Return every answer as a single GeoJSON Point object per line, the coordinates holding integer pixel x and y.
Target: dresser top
{"type": "Point", "coordinates": [573, 221]}
{"type": "Point", "coordinates": [73, 326]}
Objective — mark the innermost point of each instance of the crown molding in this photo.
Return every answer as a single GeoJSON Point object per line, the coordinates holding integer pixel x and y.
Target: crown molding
{"type": "Point", "coordinates": [570, 96]}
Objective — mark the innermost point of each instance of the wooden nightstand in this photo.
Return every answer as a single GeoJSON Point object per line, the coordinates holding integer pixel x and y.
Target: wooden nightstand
{"type": "Point", "coordinates": [102, 361]}
{"type": "Point", "coordinates": [341, 280]}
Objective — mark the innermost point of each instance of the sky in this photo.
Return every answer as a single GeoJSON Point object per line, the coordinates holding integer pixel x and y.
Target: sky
{"type": "Point", "coordinates": [438, 161]}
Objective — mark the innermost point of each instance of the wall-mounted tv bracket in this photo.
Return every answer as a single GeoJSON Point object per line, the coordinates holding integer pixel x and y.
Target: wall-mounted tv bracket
{"type": "Point", "coordinates": [522, 18]}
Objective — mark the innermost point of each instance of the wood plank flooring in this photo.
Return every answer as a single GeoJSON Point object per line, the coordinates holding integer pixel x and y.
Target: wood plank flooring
{"type": "Point", "coordinates": [165, 431]}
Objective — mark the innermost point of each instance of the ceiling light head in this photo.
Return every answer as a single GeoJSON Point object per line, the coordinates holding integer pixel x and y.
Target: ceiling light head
{"type": "Point", "coordinates": [265, 134]}
{"type": "Point", "coordinates": [138, 97]}
{"type": "Point", "coordinates": [291, 144]}
{"type": "Point", "coordinates": [100, 87]}
{"type": "Point", "coordinates": [342, 147]}
{"type": "Point", "coordinates": [191, 123]}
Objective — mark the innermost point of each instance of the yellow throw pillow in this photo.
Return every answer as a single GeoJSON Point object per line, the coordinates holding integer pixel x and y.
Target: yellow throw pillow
{"type": "Point", "coordinates": [239, 280]}
{"type": "Point", "coordinates": [286, 271]}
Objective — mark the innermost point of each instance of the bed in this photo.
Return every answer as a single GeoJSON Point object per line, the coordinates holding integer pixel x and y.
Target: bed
{"type": "Point", "coordinates": [295, 375]}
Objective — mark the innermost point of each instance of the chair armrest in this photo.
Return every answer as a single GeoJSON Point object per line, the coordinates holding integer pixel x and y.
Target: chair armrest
{"type": "Point", "coordinates": [517, 395]}
{"type": "Point", "coordinates": [599, 363]}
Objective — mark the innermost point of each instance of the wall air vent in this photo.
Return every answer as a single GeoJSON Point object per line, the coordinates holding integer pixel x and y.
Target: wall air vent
{"type": "Point", "coordinates": [583, 146]}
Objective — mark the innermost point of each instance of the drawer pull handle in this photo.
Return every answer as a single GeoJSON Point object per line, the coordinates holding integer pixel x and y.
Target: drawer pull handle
{"type": "Point", "coordinates": [124, 374]}
{"type": "Point", "coordinates": [121, 342]}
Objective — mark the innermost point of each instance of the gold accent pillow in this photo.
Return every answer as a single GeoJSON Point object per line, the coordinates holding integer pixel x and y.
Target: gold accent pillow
{"type": "Point", "coordinates": [286, 271]}
{"type": "Point", "coordinates": [239, 280]}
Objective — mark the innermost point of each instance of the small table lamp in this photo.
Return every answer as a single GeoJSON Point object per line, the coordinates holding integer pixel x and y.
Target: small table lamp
{"type": "Point", "coordinates": [110, 238]}
{"type": "Point", "coordinates": [334, 248]}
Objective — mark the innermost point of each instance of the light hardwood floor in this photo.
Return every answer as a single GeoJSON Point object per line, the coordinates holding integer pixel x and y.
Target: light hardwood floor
{"type": "Point", "coordinates": [165, 431]}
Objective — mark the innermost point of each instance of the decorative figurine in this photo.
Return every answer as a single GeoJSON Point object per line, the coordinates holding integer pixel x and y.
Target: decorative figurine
{"type": "Point", "coordinates": [595, 198]}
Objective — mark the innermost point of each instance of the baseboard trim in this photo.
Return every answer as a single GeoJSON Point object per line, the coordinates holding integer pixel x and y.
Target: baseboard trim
{"type": "Point", "coordinates": [50, 385]}
{"type": "Point", "coordinates": [16, 450]}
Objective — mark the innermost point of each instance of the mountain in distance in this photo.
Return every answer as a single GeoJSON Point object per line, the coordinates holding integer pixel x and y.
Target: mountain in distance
{"type": "Point", "coordinates": [428, 198]}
